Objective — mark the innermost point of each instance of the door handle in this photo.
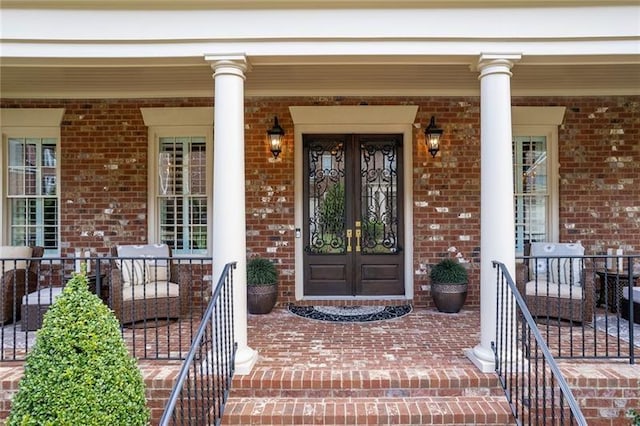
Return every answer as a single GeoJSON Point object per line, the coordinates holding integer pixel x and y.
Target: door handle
{"type": "Point", "coordinates": [349, 235]}
{"type": "Point", "coordinates": [358, 234]}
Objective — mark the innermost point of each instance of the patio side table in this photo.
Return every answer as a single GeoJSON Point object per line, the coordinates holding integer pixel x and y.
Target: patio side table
{"type": "Point", "coordinates": [614, 283]}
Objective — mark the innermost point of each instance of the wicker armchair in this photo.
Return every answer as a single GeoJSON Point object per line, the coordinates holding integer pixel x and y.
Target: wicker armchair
{"type": "Point", "coordinates": [146, 285]}
{"type": "Point", "coordinates": [557, 287]}
{"type": "Point", "coordinates": [18, 276]}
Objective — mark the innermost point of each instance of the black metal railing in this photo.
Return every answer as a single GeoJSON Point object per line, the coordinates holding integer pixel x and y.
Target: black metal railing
{"type": "Point", "coordinates": [533, 384]}
{"type": "Point", "coordinates": [584, 308]}
{"type": "Point", "coordinates": [158, 310]}
{"type": "Point", "coordinates": [202, 388]}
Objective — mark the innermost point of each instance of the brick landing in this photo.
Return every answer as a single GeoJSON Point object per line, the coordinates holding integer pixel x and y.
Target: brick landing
{"type": "Point", "coordinates": [406, 371]}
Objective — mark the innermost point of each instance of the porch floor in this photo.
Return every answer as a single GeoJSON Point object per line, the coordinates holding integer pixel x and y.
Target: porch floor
{"type": "Point", "coordinates": [423, 339]}
{"type": "Point", "coordinates": [409, 370]}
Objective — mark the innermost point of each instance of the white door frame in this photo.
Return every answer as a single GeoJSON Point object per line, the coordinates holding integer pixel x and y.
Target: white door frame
{"type": "Point", "coordinates": [364, 119]}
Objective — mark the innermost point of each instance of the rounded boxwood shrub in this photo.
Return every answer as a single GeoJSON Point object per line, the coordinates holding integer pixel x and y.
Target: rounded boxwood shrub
{"type": "Point", "coordinates": [79, 371]}
{"type": "Point", "coordinates": [448, 271]}
{"type": "Point", "coordinates": [261, 271]}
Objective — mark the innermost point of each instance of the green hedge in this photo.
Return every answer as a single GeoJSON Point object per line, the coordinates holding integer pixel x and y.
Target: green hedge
{"type": "Point", "coordinates": [79, 371]}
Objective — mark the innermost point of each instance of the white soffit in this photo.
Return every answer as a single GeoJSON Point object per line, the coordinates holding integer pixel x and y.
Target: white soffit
{"type": "Point", "coordinates": [313, 80]}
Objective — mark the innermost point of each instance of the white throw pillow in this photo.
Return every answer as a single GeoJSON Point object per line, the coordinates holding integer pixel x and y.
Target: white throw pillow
{"type": "Point", "coordinates": [134, 272]}
{"type": "Point", "coordinates": [561, 270]}
{"type": "Point", "coordinates": [158, 272]}
{"type": "Point", "coordinates": [565, 271]}
{"type": "Point", "coordinates": [157, 266]}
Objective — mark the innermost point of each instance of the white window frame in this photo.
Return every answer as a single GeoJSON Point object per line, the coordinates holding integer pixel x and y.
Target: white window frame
{"type": "Point", "coordinates": [28, 123]}
{"type": "Point", "coordinates": [177, 122]}
{"type": "Point", "coordinates": [544, 122]}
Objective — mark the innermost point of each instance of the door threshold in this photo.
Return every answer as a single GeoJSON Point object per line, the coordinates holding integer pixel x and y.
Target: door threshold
{"type": "Point", "coordinates": [381, 297]}
{"type": "Point", "coordinates": [353, 301]}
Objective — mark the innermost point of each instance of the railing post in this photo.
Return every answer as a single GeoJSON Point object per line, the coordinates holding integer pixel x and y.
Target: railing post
{"type": "Point", "coordinates": [98, 278]}
{"type": "Point", "coordinates": [630, 280]}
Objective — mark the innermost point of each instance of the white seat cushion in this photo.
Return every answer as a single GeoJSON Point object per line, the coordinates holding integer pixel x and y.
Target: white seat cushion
{"type": "Point", "coordinates": [551, 289]}
{"type": "Point", "coordinates": [14, 252]}
{"type": "Point", "coordinates": [636, 294]}
{"type": "Point", "coordinates": [43, 296]}
{"type": "Point", "coordinates": [151, 290]}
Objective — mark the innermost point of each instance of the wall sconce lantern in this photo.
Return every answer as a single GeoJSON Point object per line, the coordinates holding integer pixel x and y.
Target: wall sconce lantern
{"type": "Point", "coordinates": [274, 138]}
{"type": "Point", "coordinates": [432, 139]}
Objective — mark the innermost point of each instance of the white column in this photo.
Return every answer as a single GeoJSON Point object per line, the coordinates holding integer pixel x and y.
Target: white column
{"type": "Point", "coordinates": [497, 222]}
{"type": "Point", "coordinates": [229, 227]}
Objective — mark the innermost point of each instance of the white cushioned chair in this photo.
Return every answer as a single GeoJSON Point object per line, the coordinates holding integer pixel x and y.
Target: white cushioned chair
{"type": "Point", "coordinates": [18, 276]}
{"type": "Point", "coordinates": [555, 283]}
{"type": "Point", "coordinates": [145, 284]}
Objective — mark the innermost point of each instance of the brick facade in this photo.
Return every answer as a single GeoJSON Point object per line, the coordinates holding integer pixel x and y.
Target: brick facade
{"type": "Point", "coordinates": [104, 176]}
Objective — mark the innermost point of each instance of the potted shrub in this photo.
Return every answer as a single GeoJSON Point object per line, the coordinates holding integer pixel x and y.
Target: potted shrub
{"type": "Point", "coordinates": [79, 372]}
{"type": "Point", "coordinates": [262, 285]}
{"type": "Point", "coordinates": [449, 282]}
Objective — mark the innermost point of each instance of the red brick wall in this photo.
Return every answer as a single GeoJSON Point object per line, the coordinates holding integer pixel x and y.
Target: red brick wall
{"type": "Point", "coordinates": [604, 401]}
{"type": "Point", "coordinates": [104, 176]}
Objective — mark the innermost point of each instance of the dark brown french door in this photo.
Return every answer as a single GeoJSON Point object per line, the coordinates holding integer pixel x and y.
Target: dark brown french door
{"type": "Point", "coordinates": [353, 217]}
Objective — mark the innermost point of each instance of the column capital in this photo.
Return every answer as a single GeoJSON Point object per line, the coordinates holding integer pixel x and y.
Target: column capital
{"type": "Point", "coordinates": [235, 64]}
{"type": "Point", "coordinates": [497, 63]}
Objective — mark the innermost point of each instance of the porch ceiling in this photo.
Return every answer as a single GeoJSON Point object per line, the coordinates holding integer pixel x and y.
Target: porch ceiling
{"type": "Point", "coordinates": [193, 77]}
{"type": "Point", "coordinates": [336, 48]}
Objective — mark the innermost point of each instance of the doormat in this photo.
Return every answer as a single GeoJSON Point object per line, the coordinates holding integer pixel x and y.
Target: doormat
{"type": "Point", "coordinates": [350, 313]}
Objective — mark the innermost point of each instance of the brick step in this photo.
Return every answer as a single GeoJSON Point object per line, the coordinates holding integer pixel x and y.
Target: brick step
{"type": "Point", "coordinates": [448, 381]}
{"type": "Point", "coordinates": [451, 410]}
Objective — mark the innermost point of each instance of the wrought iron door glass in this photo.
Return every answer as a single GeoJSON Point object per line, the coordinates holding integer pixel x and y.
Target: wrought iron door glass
{"type": "Point", "coordinates": [326, 199]}
{"type": "Point", "coordinates": [379, 186]}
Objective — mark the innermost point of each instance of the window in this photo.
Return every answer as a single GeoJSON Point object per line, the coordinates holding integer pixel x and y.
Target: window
{"type": "Point", "coordinates": [180, 178]}
{"type": "Point", "coordinates": [30, 202]}
{"type": "Point", "coordinates": [531, 190]}
{"type": "Point", "coordinates": [182, 193]}
{"type": "Point", "coordinates": [535, 165]}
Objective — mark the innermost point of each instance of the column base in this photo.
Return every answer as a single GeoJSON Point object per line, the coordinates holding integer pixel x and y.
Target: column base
{"type": "Point", "coordinates": [245, 360]}
{"type": "Point", "coordinates": [482, 358]}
